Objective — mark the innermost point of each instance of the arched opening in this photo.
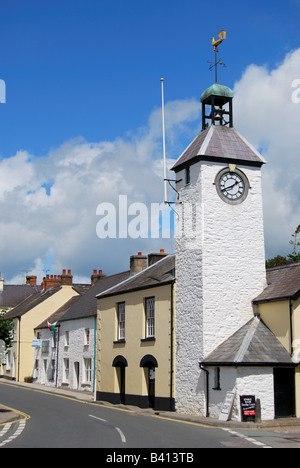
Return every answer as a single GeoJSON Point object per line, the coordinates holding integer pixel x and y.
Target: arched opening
{"type": "Point", "coordinates": [120, 363]}
{"type": "Point", "coordinates": [150, 363]}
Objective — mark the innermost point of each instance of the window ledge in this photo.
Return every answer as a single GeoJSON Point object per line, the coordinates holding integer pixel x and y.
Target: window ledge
{"type": "Point", "coordinates": [151, 338]}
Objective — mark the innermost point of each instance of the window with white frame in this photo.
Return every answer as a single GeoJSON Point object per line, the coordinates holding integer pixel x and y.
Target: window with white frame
{"type": "Point", "coordinates": [121, 321]}
{"type": "Point", "coordinates": [150, 316]}
{"type": "Point", "coordinates": [67, 338]}
{"type": "Point", "coordinates": [87, 370]}
{"type": "Point", "coordinates": [87, 336]}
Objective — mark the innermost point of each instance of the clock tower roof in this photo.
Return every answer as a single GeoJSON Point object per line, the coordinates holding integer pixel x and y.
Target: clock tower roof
{"type": "Point", "coordinates": [219, 144]}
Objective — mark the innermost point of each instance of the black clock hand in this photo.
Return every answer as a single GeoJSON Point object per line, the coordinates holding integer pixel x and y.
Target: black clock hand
{"type": "Point", "coordinates": [230, 187]}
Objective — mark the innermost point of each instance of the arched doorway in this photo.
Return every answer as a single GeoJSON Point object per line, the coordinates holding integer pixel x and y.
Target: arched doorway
{"type": "Point", "coordinates": [120, 363]}
{"type": "Point", "coordinates": [150, 363]}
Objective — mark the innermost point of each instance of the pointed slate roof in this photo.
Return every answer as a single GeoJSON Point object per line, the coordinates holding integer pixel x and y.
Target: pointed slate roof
{"type": "Point", "coordinates": [252, 345]}
{"type": "Point", "coordinates": [219, 143]}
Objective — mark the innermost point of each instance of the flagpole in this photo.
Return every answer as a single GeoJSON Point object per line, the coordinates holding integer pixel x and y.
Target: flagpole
{"type": "Point", "coordinates": [164, 140]}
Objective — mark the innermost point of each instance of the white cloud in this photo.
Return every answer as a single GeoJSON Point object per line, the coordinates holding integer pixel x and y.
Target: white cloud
{"type": "Point", "coordinates": [266, 114]}
{"type": "Point", "coordinates": [48, 204]}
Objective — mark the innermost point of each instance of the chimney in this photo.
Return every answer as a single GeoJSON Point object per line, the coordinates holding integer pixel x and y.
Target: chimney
{"type": "Point", "coordinates": [50, 281]}
{"type": "Point", "coordinates": [96, 276]}
{"type": "Point", "coordinates": [1, 283]}
{"type": "Point", "coordinates": [66, 278]}
{"type": "Point", "coordinates": [138, 263]}
{"type": "Point", "coordinates": [154, 257]}
{"type": "Point", "coordinates": [31, 280]}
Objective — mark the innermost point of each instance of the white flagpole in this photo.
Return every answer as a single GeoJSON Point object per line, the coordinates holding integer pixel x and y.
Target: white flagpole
{"type": "Point", "coordinates": [164, 140]}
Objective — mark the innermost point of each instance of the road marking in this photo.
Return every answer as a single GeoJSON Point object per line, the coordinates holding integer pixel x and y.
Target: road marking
{"type": "Point", "coordinates": [121, 434]}
{"type": "Point", "coordinates": [248, 439]}
{"type": "Point", "coordinates": [123, 438]}
{"type": "Point", "coordinates": [95, 417]}
{"type": "Point", "coordinates": [5, 429]}
{"type": "Point", "coordinates": [16, 434]}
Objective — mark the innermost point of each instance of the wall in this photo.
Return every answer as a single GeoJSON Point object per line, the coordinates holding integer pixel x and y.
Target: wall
{"type": "Point", "coordinates": [243, 381]}
{"type": "Point", "coordinates": [135, 346]}
{"type": "Point", "coordinates": [220, 269]}
{"type": "Point", "coordinates": [76, 351]}
{"type": "Point", "coordinates": [276, 316]}
{"type": "Point", "coordinates": [32, 319]}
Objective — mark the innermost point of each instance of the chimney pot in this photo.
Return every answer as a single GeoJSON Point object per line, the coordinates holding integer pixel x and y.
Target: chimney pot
{"type": "Point", "coordinates": [64, 272]}
{"type": "Point", "coordinates": [96, 276]}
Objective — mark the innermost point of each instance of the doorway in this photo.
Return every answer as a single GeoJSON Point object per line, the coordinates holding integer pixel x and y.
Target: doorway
{"type": "Point", "coordinates": [76, 375]}
{"type": "Point", "coordinates": [284, 392]}
{"type": "Point", "coordinates": [151, 386]}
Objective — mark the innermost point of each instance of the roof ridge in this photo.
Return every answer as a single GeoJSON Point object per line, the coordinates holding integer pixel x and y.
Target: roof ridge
{"type": "Point", "coordinates": [247, 340]}
{"type": "Point", "coordinates": [133, 277]}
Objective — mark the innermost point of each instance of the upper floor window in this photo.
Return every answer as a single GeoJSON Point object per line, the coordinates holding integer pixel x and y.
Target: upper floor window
{"type": "Point", "coordinates": [121, 321]}
{"type": "Point", "coordinates": [87, 336]}
{"type": "Point", "coordinates": [150, 316]}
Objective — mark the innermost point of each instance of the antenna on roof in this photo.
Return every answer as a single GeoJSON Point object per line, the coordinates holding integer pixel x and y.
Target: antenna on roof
{"type": "Point", "coordinates": [164, 149]}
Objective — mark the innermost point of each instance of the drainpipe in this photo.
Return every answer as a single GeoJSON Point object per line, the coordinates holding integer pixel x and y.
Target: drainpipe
{"type": "Point", "coordinates": [172, 346]}
{"type": "Point", "coordinates": [207, 388]}
{"type": "Point", "coordinates": [291, 326]}
{"type": "Point", "coordinates": [19, 348]}
{"type": "Point", "coordinates": [57, 344]}
{"type": "Point", "coordinates": [95, 352]}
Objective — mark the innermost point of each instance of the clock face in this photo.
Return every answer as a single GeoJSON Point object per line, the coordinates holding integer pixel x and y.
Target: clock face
{"type": "Point", "coordinates": [232, 186]}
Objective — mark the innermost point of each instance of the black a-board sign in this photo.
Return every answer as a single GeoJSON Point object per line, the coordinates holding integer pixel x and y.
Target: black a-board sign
{"type": "Point", "coordinates": [248, 407]}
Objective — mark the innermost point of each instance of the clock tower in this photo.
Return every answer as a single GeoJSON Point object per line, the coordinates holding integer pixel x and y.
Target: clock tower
{"type": "Point", "coordinates": [220, 254]}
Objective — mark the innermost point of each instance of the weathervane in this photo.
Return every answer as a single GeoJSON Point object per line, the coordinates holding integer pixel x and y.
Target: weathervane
{"type": "Point", "coordinates": [215, 44]}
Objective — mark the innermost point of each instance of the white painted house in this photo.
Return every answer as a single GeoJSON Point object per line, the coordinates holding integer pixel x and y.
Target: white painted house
{"type": "Point", "coordinates": [65, 355]}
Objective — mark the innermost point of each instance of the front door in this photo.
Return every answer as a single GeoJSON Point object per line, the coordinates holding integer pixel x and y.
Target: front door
{"type": "Point", "coordinates": [151, 386]}
{"type": "Point", "coordinates": [284, 390]}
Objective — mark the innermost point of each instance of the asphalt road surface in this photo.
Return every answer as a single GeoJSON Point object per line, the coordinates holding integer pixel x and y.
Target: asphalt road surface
{"type": "Point", "coordinates": [55, 421]}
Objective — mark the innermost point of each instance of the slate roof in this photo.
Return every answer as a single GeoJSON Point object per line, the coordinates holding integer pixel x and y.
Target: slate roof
{"type": "Point", "coordinates": [87, 305]}
{"type": "Point", "coordinates": [219, 143]}
{"type": "Point", "coordinates": [12, 295]}
{"type": "Point", "coordinates": [283, 283]}
{"type": "Point", "coordinates": [59, 313]}
{"type": "Point", "coordinates": [253, 344]}
{"type": "Point", "coordinates": [30, 303]}
{"type": "Point", "coordinates": [158, 274]}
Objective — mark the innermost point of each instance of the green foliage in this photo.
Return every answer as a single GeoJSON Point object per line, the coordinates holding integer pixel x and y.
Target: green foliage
{"type": "Point", "coordinates": [294, 256]}
{"type": "Point", "coordinates": [6, 327]}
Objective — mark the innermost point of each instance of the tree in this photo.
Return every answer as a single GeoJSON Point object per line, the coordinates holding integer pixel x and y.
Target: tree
{"type": "Point", "coordinates": [295, 255]}
{"type": "Point", "coordinates": [290, 258]}
{"type": "Point", "coordinates": [6, 327]}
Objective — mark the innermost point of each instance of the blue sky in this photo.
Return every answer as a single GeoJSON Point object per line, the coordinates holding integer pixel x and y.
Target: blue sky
{"type": "Point", "coordinates": [92, 68]}
{"type": "Point", "coordinates": [84, 76]}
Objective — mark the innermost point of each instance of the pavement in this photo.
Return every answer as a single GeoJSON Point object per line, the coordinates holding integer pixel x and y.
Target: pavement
{"type": "Point", "coordinates": [282, 425]}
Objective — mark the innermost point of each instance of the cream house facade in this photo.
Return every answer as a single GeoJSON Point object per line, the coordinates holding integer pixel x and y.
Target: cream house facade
{"type": "Point", "coordinates": [26, 317]}
{"type": "Point", "coordinates": [135, 345]}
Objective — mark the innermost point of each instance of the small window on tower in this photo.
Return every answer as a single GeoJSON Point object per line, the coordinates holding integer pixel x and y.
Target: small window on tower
{"type": "Point", "coordinates": [187, 175]}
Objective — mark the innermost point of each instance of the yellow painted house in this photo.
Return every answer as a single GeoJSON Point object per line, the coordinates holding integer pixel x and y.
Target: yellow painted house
{"type": "Point", "coordinates": [27, 316]}
{"type": "Point", "coordinates": [135, 327]}
{"type": "Point", "coordinates": [279, 308]}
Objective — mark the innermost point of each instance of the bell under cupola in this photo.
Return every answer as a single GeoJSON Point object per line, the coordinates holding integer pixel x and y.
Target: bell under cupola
{"type": "Point", "coordinates": [217, 106]}
{"type": "Point", "coordinates": [217, 99]}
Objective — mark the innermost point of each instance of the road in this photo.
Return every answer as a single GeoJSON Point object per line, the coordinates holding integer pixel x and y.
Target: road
{"type": "Point", "coordinates": [56, 421]}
